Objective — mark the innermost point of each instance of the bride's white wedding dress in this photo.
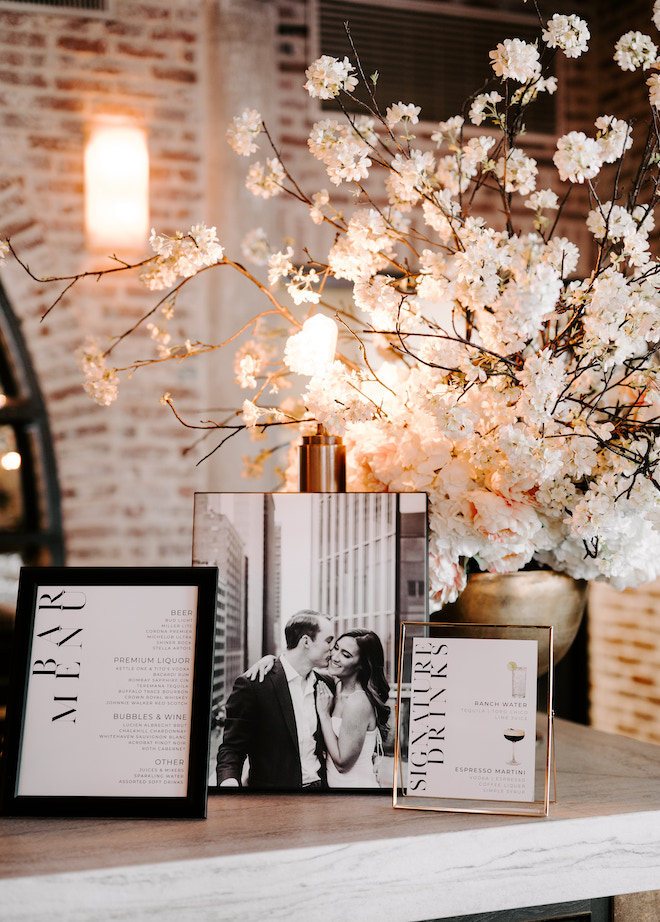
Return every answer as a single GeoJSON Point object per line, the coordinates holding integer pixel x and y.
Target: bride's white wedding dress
{"type": "Point", "coordinates": [362, 774]}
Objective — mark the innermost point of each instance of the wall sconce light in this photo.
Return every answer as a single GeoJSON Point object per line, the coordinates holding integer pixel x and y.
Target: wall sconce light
{"type": "Point", "coordinates": [116, 188]}
{"type": "Point", "coordinates": [10, 461]}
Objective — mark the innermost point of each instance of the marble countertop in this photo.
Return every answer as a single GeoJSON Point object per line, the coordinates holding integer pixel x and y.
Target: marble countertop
{"type": "Point", "coordinates": [326, 857]}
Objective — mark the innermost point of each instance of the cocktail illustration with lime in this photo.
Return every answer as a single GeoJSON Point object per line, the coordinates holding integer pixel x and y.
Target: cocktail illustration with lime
{"type": "Point", "coordinates": [518, 680]}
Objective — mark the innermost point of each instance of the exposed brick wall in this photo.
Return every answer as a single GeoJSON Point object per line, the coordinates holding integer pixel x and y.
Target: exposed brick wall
{"type": "Point", "coordinates": [624, 647]}
{"type": "Point", "coordinates": [127, 490]}
{"type": "Point", "coordinates": [127, 487]}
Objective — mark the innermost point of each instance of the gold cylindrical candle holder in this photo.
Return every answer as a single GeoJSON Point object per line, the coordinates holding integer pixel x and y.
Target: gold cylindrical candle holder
{"type": "Point", "coordinates": [322, 463]}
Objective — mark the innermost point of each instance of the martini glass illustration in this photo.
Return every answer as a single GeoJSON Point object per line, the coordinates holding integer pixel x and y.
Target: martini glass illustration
{"type": "Point", "coordinates": [514, 736]}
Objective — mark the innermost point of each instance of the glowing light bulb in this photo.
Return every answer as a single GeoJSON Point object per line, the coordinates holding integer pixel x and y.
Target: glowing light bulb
{"type": "Point", "coordinates": [116, 188]}
{"type": "Point", "coordinates": [321, 335]}
{"type": "Point", "coordinates": [310, 351]}
{"type": "Point", "coordinates": [10, 461]}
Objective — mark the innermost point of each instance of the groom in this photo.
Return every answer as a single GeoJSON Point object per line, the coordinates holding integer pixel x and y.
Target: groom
{"type": "Point", "coordinates": [274, 722]}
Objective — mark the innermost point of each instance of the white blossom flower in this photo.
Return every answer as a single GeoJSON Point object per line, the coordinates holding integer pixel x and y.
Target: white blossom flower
{"type": "Point", "coordinates": [251, 359]}
{"type": "Point", "coordinates": [319, 201]}
{"type": "Point", "coordinates": [610, 221]}
{"type": "Point", "coordinates": [597, 222]}
{"type": "Point", "coordinates": [526, 94]}
{"type": "Point", "coordinates": [247, 368]}
{"type": "Point", "coordinates": [475, 152]}
{"type": "Point", "coordinates": [364, 127]}
{"type": "Point", "coordinates": [653, 84]}
{"type": "Point", "coordinates": [280, 266]}
{"type": "Point", "coordinates": [439, 213]}
{"type": "Point", "coordinates": [327, 76]}
{"type": "Point", "coordinates": [324, 136]}
{"type": "Point", "coordinates": [348, 260]}
{"type": "Point", "coordinates": [518, 173]}
{"type": "Point", "coordinates": [182, 255]}
{"type": "Point", "coordinates": [352, 162]}
{"type": "Point", "coordinates": [450, 176]}
{"type": "Point", "coordinates": [409, 177]}
{"type": "Point", "coordinates": [402, 112]}
{"type": "Point", "coordinates": [448, 578]}
{"type": "Point", "coordinates": [644, 219]}
{"type": "Point", "coordinates": [379, 298]}
{"type": "Point", "coordinates": [614, 137]}
{"type": "Point", "coordinates": [577, 157]}
{"type": "Point", "coordinates": [251, 413]}
{"type": "Point", "coordinates": [255, 247]}
{"type": "Point", "coordinates": [516, 60]}
{"type": "Point", "coordinates": [4, 248]}
{"type": "Point", "coordinates": [300, 287]}
{"type": "Point", "coordinates": [478, 271]}
{"type": "Point", "coordinates": [368, 230]}
{"type": "Point", "coordinates": [541, 200]}
{"type": "Point", "coordinates": [636, 249]}
{"type": "Point", "coordinates": [448, 130]}
{"type": "Point", "coordinates": [243, 130]}
{"type": "Point", "coordinates": [343, 151]}
{"type": "Point", "coordinates": [334, 397]}
{"type": "Point", "coordinates": [563, 255]}
{"type": "Point", "coordinates": [656, 14]}
{"type": "Point", "coordinates": [484, 106]}
{"type": "Point", "coordinates": [568, 33]}
{"type": "Point", "coordinates": [634, 50]}
{"type": "Point", "coordinates": [266, 181]}
{"type": "Point", "coordinates": [159, 334]}
{"type": "Point", "coordinates": [99, 381]}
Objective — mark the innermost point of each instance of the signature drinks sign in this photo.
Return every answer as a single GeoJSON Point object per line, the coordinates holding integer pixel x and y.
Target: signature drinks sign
{"type": "Point", "coordinates": [109, 679]}
{"type": "Point", "coordinates": [470, 736]}
{"type": "Point", "coordinates": [467, 719]}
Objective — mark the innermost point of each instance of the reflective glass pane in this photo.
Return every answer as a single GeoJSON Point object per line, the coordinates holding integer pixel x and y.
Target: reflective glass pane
{"type": "Point", "coordinates": [11, 490]}
{"type": "Point", "coordinates": [10, 568]}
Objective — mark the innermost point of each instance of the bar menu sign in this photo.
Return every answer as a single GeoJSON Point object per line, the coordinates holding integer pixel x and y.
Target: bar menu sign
{"type": "Point", "coordinates": [110, 691]}
{"type": "Point", "coordinates": [472, 726]}
{"type": "Point", "coordinates": [110, 674]}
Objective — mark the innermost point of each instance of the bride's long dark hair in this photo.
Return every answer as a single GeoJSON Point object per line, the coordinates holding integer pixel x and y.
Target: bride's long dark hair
{"type": "Point", "coordinates": [371, 673]}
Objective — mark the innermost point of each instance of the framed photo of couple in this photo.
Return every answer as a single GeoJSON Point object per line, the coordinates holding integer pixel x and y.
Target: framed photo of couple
{"type": "Point", "coordinates": [312, 590]}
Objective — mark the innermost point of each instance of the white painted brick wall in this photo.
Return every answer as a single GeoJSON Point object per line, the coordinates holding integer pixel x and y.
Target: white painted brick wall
{"type": "Point", "coordinates": [624, 667]}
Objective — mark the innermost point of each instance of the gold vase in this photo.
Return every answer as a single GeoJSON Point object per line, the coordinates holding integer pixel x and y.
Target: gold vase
{"type": "Point", "coordinates": [529, 597]}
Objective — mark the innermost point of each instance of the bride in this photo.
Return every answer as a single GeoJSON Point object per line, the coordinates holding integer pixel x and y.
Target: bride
{"type": "Point", "coordinates": [354, 719]}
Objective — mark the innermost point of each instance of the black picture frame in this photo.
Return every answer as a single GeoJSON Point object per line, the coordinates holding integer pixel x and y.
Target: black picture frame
{"type": "Point", "coordinates": [126, 731]}
{"type": "Point", "coordinates": [359, 559]}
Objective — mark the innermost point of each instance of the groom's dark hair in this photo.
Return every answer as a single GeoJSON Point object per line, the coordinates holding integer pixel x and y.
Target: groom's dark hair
{"type": "Point", "coordinates": [303, 622]}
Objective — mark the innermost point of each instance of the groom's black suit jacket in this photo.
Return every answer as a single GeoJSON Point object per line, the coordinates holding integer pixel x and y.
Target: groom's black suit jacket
{"type": "Point", "coordinates": [261, 725]}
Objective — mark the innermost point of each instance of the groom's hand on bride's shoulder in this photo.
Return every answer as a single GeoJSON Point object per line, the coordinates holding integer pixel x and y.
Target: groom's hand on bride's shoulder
{"type": "Point", "coordinates": [260, 669]}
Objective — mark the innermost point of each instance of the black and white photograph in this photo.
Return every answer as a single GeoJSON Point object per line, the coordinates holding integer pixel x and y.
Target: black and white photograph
{"type": "Point", "coordinates": [312, 589]}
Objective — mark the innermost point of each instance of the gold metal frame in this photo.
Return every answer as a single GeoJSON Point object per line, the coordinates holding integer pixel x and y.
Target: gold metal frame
{"type": "Point", "coordinates": [544, 768]}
